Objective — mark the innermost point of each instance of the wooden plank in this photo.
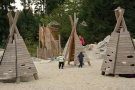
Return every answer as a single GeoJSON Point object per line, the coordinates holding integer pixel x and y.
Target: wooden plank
{"type": "Point", "coordinates": [7, 67]}
{"type": "Point", "coordinates": [108, 66]}
{"type": "Point", "coordinates": [11, 22]}
{"type": "Point", "coordinates": [25, 65]}
{"type": "Point", "coordinates": [13, 26]}
{"type": "Point", "coordinates": [119, 21]}
{"type": "Point", "coordinates": [71, 42]}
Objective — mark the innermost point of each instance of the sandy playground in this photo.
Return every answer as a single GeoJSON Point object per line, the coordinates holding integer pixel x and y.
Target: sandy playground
{"type": "Point", "coordinates": [71, 78]}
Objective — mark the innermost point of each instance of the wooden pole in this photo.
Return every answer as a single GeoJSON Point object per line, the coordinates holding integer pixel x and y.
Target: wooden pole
{"type": "Point", "coordinates": [11, 22]}
{"type": "Point", "coordinates": [39, 38]}
{"type": "Point", "coordinates": [17, 77]}
{"type": "Point", "coordinates": [118, 11]}
{"type": "Point", "coordinates": [52, 54]}
{"type": "Point", "coordinates": [72, 36]}
{"type": "Point", "coordinates": [119, 20]}
{"type": "Point", "coordinates": [71, 39]}
{"type": "Point", "coordinates": [13, 26]}
{"type": "Point", "coordinates": [59, 44]}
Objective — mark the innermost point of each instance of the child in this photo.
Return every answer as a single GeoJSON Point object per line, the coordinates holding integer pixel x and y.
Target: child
{"type": "Point", "coordinates": [81, 56]}
{"type": "Point", "coordinates": [82, 40]}
{"type": "Point", "coordinates": [61, 61]}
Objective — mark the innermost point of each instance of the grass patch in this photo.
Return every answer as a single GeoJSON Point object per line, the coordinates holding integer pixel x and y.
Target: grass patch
{"type": "Point", "coordinates": [32, 47]}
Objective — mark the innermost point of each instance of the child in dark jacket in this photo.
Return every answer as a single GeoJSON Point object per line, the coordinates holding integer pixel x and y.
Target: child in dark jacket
{"type": "Point", "coordinates": [80, 57]}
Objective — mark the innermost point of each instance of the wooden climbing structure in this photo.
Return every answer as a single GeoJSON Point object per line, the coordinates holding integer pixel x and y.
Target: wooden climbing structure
{"type": "Point", "coordinates": [73, 45]}
{"type": "Point", "coordinates": [49, 43]}
{"type": "Point", "coordinates": [120, 55]}
{"type": "Point", "coordinates": [16, 61]}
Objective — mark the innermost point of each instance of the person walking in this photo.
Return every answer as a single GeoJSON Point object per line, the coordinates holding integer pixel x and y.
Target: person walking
{"type": "Point", "coordinates": [80, 57]}
{"type": "Point", "coordinates": [61, 61]}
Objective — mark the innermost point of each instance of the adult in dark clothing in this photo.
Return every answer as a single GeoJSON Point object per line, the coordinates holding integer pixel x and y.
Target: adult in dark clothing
{"type": "Point", "coordinates": [80, 57]}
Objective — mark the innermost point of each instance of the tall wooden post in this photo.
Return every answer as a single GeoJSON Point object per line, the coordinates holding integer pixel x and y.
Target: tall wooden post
{"type": "Point", "coordinates": [59, 44]}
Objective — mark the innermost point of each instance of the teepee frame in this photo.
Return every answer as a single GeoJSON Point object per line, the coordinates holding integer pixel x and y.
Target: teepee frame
{"type": "Point", "coordinates": [120, 55]}
{"type": "Point", "coordinates": [16, 61]}
{"type": "Point", "coordinates": [73, 45]}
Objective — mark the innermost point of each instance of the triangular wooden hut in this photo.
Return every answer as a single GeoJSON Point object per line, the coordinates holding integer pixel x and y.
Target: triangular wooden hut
{"type": "Point", "coordinates": [120, 55]}
{"type": "Point", "coordinates": [49, 43]}
{"type": "Point", "coordinates": [73, 45]}
{"type": "Point", "coordinates": [16, 61]}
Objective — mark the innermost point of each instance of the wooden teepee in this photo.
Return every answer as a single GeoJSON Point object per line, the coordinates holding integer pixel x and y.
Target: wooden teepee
{"type": "Point", "coordinates": [49, 43]}
{"type": "Point", "coordinates": [120, 55]}
{"type": "Point", "coordinates": [73, 45]}
{"type": "Point", "coordinates": [16, 61]}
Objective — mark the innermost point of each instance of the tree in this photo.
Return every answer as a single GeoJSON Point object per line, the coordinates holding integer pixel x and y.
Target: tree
{"type": "Point", "coordinates": [4, 25]}
{"type": "Point", "coordinates": [46, 6]}
{"type": "Point", "coordinates": [99, 16]}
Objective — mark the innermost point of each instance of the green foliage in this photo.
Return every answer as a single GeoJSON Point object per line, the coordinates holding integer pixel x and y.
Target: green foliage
{"type": "Point", "coordinates": [4, 24]}
{"type": "Point", "coordinates": [32, 47]}
{"type": "Point", "coordinates": [53, 4]}
{"type": "Point", "coordinates": [28, 25]}
{"type": "Point", "coordinates": [98, 14]}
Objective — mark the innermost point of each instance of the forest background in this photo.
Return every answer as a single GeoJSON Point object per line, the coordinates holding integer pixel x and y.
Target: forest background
{"type": "Point", "coordinates": [96, 19]}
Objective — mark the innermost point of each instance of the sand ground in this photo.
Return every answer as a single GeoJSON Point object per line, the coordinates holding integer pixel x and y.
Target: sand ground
{"type": "Point", "coordinates": [71, 78]}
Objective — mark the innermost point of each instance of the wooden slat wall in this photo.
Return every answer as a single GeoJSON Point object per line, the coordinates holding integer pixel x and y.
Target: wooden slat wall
{"type": "Point", "coordinates": [109, 61]}
{"type": "Point", "coordinates": [50, 44]}
{"type": "Point", "coordinates": [8, 65]}
{"type": "Point", "coordinates": [25, 65]}
{"type": "Point", "coordinates": [66, 49]}
{"type": "Point", "coordinates": [125, 65]}
{"type": "Point", "coordinates": [120, 55]}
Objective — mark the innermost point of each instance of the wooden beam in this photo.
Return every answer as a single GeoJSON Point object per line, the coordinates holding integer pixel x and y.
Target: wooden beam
{"type": "Point", "coordinates": [71, 20]}
{"type": "Point", "coordinates": [71, 38]}
{"type": "Point", "coordinates": [76, 21]}
{"type": "Point", "coordinates": [117, 14]}
{"type": "Point", "coordinates": [13, 27]}
{"type": "Point", "coordinates": [74, 24]}
{"type": "Point", "coordinates": [11, 22]}
{"type": "Point", "coordinates": [66, 49]}
{"type": "Point", "coordinates": [74, 17]}
{"type": "Point", "coordinates": [14, 23]}
{"type": "Point", "coordinates": [119, 20]}
{"type": "Point", "coordinates": [43, 37]}
{"type": "Point", "coordinates": [59, 43]}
